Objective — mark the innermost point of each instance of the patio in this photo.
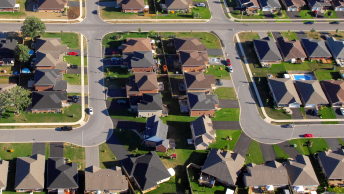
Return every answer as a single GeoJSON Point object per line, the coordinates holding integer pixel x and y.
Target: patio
{"type": "Point", "coordinates": [206, 180]}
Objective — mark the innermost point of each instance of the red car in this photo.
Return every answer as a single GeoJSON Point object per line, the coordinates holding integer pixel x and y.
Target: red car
{"type": "Point", "coordinates": [73, 53]}
{"type": "Point", "coordinates": [229, 62]}
{"type": "Point", "coordinates": [308, 135]}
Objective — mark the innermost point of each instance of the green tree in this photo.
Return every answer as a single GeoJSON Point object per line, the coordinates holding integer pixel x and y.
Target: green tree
{"type": "Point", "coordinates": [152, 32]}
{"type": "Point", "coordinates": [16, 98]}
{"type": "Point", "coordinates": [21, 53]}
{"type": "Point", "coordinates": [313, 30]}
{"type": "Point", "coordinates": [140, 30]}
{"type": "Point", "coordinates": [32, 27]}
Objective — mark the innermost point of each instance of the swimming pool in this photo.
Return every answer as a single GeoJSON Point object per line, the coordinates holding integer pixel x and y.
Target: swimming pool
{"type": "Point", "coordinates": [303, 77]}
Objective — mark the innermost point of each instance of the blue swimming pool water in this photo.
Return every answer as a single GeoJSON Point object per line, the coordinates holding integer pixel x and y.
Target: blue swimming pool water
{"type": "Point", "coordinates": [302, 77]}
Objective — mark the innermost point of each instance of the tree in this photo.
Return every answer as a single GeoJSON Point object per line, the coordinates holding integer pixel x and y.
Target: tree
{"type": "Point", "coordinates": [313, 30]}
{"type": "Point", "coordinates": [337, 31]}
{"type": "Point", "coordinates": [152, 32]}
{"type": "Point", "coordinates": [21, 53]}
{"type": "Point", "coordinates": [140, 30]}
{"type": "Point", "coordinates": [17, 98]}
{"type": "Point", "coordinates": [32, 27]}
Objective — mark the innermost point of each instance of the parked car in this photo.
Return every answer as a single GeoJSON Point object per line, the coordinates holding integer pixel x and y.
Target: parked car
{"type": "Point", "coordinates": [121, 102]}
{"type": "Point", "coordinates": [310, 22]}
{"type": "Point", "coordinates": [229, 62]}
{"type": "Point", "coordinates": [73, 53]}
{"type": "Point", "coordinates": [315, 112]}
{"type": "Point", "coordinates": [218, 82]}
{"type": "Point", "coordinates": [73, 66]}
{"type": "Point", "coordinates": [230, 69]}
{"type": "Point", "coordinates": [114, 59]}
{"type": "Point", "coordinates": [289, 126]}
{"type": "Point", "coordinates": [90, 111]}
{"type": "Point", "coordinates": [201, 5]}
{"type": "Point", "coordinates": [75, 100]}
{"type": "Point", "coordinates": [308, 135]}
{"type": "Point", "coordinates": [76, 97]}
{"type": "Point", "coordinates": [66, 128]}
{"type": "Point", "coordinates": [335, 22]}
{"type": "Point", "coordinates": [342, 111]}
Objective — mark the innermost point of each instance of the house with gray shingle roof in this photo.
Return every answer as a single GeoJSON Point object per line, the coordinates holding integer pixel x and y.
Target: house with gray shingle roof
{"type": "Point", "coordinates": [3, 174]}
{"type": "Point", "coordinates": [202, 132]}
{"type": "Point", "coordinates": [332, 165]}
{"type": "Point", "coordinates": [48, 101]}
{"type": "Point", "coordinates": [338, 5]}
{"type": "Point", "coordinates": [336, 48]}
{"type": "Point", "coordinates": [7, 5]}
{"type": "Point", "coordinates": [291, 50]}
{"type": "Point", "coordinates": [176, 5]}
{"type": "Point", "coordinates": [62, 176]}
{"type": "Point", "coordinates": [284, 92]}
{"type": "Point", "coordinates": [224, 166]}
{"type": "Point", "coordinates": [301, 174]}
{"type": "Point", "coordinates": [7, 46]}
{"type": "Point", "coordinates": [201, 104]}
{"type": "Point", "coordinates": [319, 5]}
{"type": "Point", "coordinates": [267, 51]}
{"type": "Point", "coordinates": [189, 44]}
{"type": "Point", "coordinates": [269, 5]}
{"type": "Point", "coordinates": [49, 79]}
{"type": "Point", "coordinates": [139, 61]}
{"type": "Point", "coordinates": [30, 174]}
{"type": "Point", "coordinates": [151, 104]}
{"type": "Point", "coordinates": [315, 49]}
{"type": "Point", "coordinates": [334, 90]}
{"type": "Point", "coordinates": [311, 93]}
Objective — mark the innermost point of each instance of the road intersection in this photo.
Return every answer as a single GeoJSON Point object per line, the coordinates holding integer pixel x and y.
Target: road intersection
{"type": "Point", "coordinates": [99, 126]}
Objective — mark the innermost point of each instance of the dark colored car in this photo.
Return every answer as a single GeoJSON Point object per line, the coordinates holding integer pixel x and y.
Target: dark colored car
{"type": "Point", "coordinates": [76, 97]}
{"type": "Point", "coordinates": [73, 66]}
{"type": "Point", "coordinates": [75, 100]}
{"type": "Point", "coordinates": [218, 82]}
{"type": "Point", "coordinates": [335, 22]}
{"type": "Point", "coordinates": [289, 126]}
{"type": "Point", "coordinates": [66, 128]}
{"type": "Point", "coordinates": [315, 112]}
{"type": "Point", "coordinates": [310, 22]}
{"type": "Point", "coordinates": [229, 62]}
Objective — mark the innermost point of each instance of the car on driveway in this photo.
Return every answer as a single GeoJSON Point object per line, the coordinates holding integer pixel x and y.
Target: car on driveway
{"type": "Point", "coordinates": [66, 128]}
{"type": "Point", "coordinates": [289, 126]}
{"type": "Point", "coordinates": [201, 5]}
{"type": "Point", "coordinates": [309, 23]}
{"type": "Point", "coordinates": [121, 101]}
{"type": "Point", "coordinates": [308, 135]}
{"type": "Point", "coordinates": [230, 69]}
{"type": "Point", "coordinates": [73, 66]}
{"type": "Point", "coordinates": [342, 111]}
{"type": "Point", "coordinates": [315, 112]}
{"type": "Point", "coordinates": [218, 82]}
{"type": "Point", "coordinates": [73, 53]}
{"type": "Point", "coordinates": [229, 62]}
{"type": "Point", "coordinates": [335, 22]}
{"type": "Point", "coordinates": [90, 111]}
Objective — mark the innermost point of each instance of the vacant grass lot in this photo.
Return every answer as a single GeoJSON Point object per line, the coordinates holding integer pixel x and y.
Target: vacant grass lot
{"type": "Point", "coordinates": [75, 60]}
{"type": "Point", "coordinates": [75, 154]}
{"type": "Point", "coordinates": [72, 40]}
{"type": "Point", "coordinates": [227, 114]}
{"type": "Point", "coordinates": [226, 93]}
{"type": "Point", "coordinates": [75, 79]}
{"type": "Point", "coordinates": [219, 71]}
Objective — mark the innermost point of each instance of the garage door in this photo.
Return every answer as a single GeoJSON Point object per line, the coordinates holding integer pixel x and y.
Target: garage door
{"type": "Point", "coordinates": [266, 9]}
{"type": "Point", "coordinates": [295, 9]}
{"type": "Point", "coordinates": [294, 105]}
{"type": "Point", "coordinates": [290, 9]}
{"type": "Point", "coordinates": [341, 9]}
{"type": "Point", "coordinates": [310, 105]}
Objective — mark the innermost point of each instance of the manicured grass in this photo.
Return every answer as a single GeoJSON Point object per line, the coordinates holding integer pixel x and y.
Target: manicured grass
{"type": "Point", "coordinates": [47, 150]}
{"type": "Point", "coordinates": [280, 154]}
{"type": "Point", "coordinates": [226, 93]}
{"type": "Point", "coordinates": [219, 71]}
{"type": "Point", "coordinates": [203, 12]}
{"type": "Point", "coordinates": [117, 72]}
{"type": "Point", "coordinates": [239, 15]}
{"type": "Point", "coordinates": [75, 60]}
{"type": "Point", "coordinates": [319, 145]}
{"type": "Point", "coordinates": [75, 79]}
{"type": "Point", "coordinates": [68, 38]}
{"type": "Point", "coordinates": [335, 189]}
{"type": "Point", "coordinates": [210, 40]}
{"type": "Point", "coordinates": [221, 136]}
{"type": "Point", "coordinates": [110, 41]}
{"type": "Point", "coordinates": [126, 115]}
{"type": "Point", "coordinates": [194, 175]}
{"type": "Point", "coordinates": [19, 150]}
{"type": "Point", "coordinates": [254, 154]}
{"type": "Point", "coordinates": [306, 14]}
{"type": "Point", "coordinates": [75, 154]}
{"type": "Point", "coordinates": [334, 15]}
{"type": "Point", "coordinates": [7, 68]}
{"type": "Point", "coordinates": [284, 15]}
{"type": "Point", "coordinates": [4, 80]}
{"type": "Point", "coordinates": [106, 158]}
{"type": "Point", "coordinates": [227, 114]}
{"type": "Point", "coordinates": [67, 116]}
{"type": "Point", "coordinates": [328, 113]}
{"type": "Point", "coordinates": [290, 35]}
{"type": "Point", "coordinates": [340, 141]}
{"type": "Point", "coordinates": [113, 13]}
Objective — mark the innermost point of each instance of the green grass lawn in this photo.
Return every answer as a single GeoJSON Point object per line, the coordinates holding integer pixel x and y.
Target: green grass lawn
{"type": "Point", "coordinates": [226, 93]}
{"type": "Point", "coordinates": [221, 142]}
{"type": "Point", "coordinates": [306, 14]}
{"type": "Point", "coordinates": [69, 38]}
{"type": "Point", "coordinates": [280, 154]}
{"type": "Point", "coordinates": [106, 158]}
{"type": "Point", "coordinates": [67, 116]}
{"type": "Point", "coordinates": [194, 175]}
{"type": "Point", "coordinates": [47, 150]}
{"type": "Point", "coordinates": [238, 15]}
{"type": "Point", "coordinates": [328, 113]}
{"type": "Point", "coordinates": [319, 145]}
{"type": "Point", "coordinates": [290, 35]}
{"type": "Point", "coordinates": [210, 40]}
{"type": "Point", "coordinates": [218, 72]}
{"type": "Point", "coordinates": [227, 114]}
{"type": "Point", "coordinates": [117, 72]}
{"type": "Point", "coordinates": [4, 80]}
{"type": "Point", "coordinates": [75, 60]}
{"type": "Point", "coordinates": [334, 15]}
{"type": "Point", "coordinates": [284, 15]}
{"type": "Point", "coordinates": [75, 154]}
{"type": "Point", "coordinates": [203, 12]}
{"type": "Point", "coordinates": [75, 79]}
{"type": "Point", "coordinates": [254, 154]}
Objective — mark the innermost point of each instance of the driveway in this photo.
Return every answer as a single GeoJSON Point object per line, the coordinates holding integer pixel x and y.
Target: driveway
{"type": "Point", "coordinates": [117, 149]}
{"type": "Point", "coordinates": [194, 3]}
{"type": "Point", "coordinates": [107, 3]}
{"type": "Point", "coordinates": [338, 114]}
{"type": "Point", "coordinates": [277, 35]}
{"type": "Point", "coordinates": [77, 71]}
{"type": "Point", "coordinates": [79, 101]}
{"type": "Point", "coordinates": [340, 14]}
{"type": "Point", "coordinates": [296, 113]}
{"type": "Point", "coordinates": [117, 93]}
{"type": "Point", "coordinates": [289, 149]}
{"type": "Point", "coordinates": [38, 148]}
{"type": "Point", "coordinates": [333, 144]}
{"type": "Point", "coordinates": [301, 35]}
{"type": "Point", "coordinates": [75, 4]}
{"type": "Point", "coordinates": [268, 152]}
{"type": "Point", "coordinates": [56, 149]}
{"type": "Point", "coordinates": [229, 104]}
{"type": "Point", "coordinates": [227, 83]}
{"type": "Point", "coordinates": [226, 125]}
{"type": "Point", "coordinates": [268, 15]}
{"type": "Point", "coordinates": [92, 156]}
{"type": "Point", "coordinates": [263, 34]}
{"type": "Point", "coordinates": [215, 52]}
{"type": "Point", "coordinates": [309, 113]}
{"type": "Point", "coordinates": [293, 14]}
{"type": "Point", "coordinates": [242, 145]}
{"type": "Point", "coordinates": [76, 88]}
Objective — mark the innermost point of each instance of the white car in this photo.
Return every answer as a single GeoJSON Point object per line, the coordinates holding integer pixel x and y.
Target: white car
{"type": "Point", "coordinates": [230, 69]}
{"type": "Point", "coordinates": [201, 5]}
{"type": "Point", "coordinates": [342, 111]}
{"type": "Point", "coordinates": [90, 111]}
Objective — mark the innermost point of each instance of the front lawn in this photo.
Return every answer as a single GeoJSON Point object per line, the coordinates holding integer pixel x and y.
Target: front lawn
{"type": "Point", "coordinates": [328, 113]}
{"type": "Point", "coordinates": [239, 15]}
{"type": "Point", "coordinates": [210, 40]}
{"type": "Point", "coordinates": [75, 60]}
{"type": "Point", "coordinates": [75, 79]}
{"type": "Point", "coordinates": [306, 14]}
{"type": "Point", "coordinates": [4, 80]}
{"type": "Point", "coordinates": [69, 38]}
{"type": "Point", "coordinates": [226, 93]}
{"type": "Point", "coordinates": [117, 72]}
{"type": "Point", "coordinates": [319, 145]}
{"type": "Point", "coordinates": [280, 154]}
{"type": "Point", "coordinates": [327, 14]}
{"type": "Point", "coordinates": [67, 116]}
{"type": "Point", "coordinates": [254, 154]}
{"type": "Point", "coordinates": [75, 154]}
{"type": "Point", "coordinates": [290, 35]}
{"type": "Point", "coordinates": [203, 12]}
{"type": "Point", "coordinates": [219, 71]}
{"type": "Point", "coordinates": [221, 139]}
{"type": "Point", "coordinates": [283, 16]}
{"type": "Point", "coordinates": [19, 150]}
{"type": "Point", "coordinates": [106, 158]}
{"type": "Point", "coordinates": [227, 114]}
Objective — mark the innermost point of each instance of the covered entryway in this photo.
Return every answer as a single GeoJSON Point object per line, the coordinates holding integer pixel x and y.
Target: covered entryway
{"type": "Point", "coordinates": [266, 9]}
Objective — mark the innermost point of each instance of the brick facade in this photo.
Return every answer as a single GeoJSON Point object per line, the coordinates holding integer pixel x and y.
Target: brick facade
{"type": "Point", "coordinates": [198, 113]}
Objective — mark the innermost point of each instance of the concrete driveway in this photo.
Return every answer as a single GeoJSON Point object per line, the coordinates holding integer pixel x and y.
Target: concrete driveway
{"type": "Point", "coordinates": [340, 14]}
{"type": "Point", "coordinates": [338, 114]}
{"type": "Point", "coordinates": [333, 144]}
{"type": "Point", "coordinates": [107, 3]}
{"type": "Point", "coordinates": [56, 149]}
{"type": "Point", "coordinates": [242, 145]}
{"type": "Point", "coordinates": [76, 88]}
{"type": "Point", "coordinates": [267, 151]}
{"type": "Point", "coordinates": [229, 103]}
{"type": "Point", "coordinates": [301, 35]}
{"type": "Point", "coordinates": [214, 51]}
{"type": "Point", "coordinates": [309, 113]}
{"type": "Point", "coordinates": [92, 156]}
{"type": "Point", "coordinates": [117, 93]}
{"type": "Point", "coordinates": [38, 148]}
{"type": "Point", "coordinates": [227, 83]}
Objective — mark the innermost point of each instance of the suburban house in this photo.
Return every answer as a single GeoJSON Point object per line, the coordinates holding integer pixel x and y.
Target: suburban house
{"type": "Point", "coordinates": [151, 104]}
{"type": "Point", "coordinates": [131, 6]}
{"type": "Point", "coordinates": [48, 101]}
{"type": "Point", "coordinates": [221, 166]}
{"type": "Point", "coordinates": [201, 104]}
{"type": "Point", "coordinates": [334, 90]}
{"type": "Point", "coordinates": [294, 5]}
{"type": "Point", "coordinates": [202, 132]}
{"type": "Point", "coordinates": [62, 176]}
{"type": "Point", "coordinates": [270, 5]}
{"type": "Point", "coordinates": [8, 6]}
{"type": "Point", "coordinates": [105, 180]}
{"type": "Point", "coordinates": [311, 93]}
{"type": "Point", "coordinates": [302, 177]}
{"type": "Point", "coordinates": [319, 5]}
{"type": "Point", "coordinates": [176, 5]}
{"type": "Point", "coordinates": [142, 82]}
{"type": "Point", "coordinates": [267, 51]}
{"type": "Point", "coordinates": [7, 46]}
{"type": "Point", "coordinates": [3, 174]}
{"type": "Point", "coordinates": [136, 44]}
{"type": "Point", "coordinates": [147, 171]}
{"type": "Point", "coordinates": [198, 82]}
{"type": "Point", "coordinates": [50, 5]}
{"type": "Point", "coordinates": [332, 165]}
{"type": "Point", "coordinates": [140, 61]}
{"type": "Point", "coordinates": [336, 48]}
{"type": "Point", "coordinates": [315, 49]}
{"type": "Point", "coordinates": [267, 177]}
{"type": "Point", "coordinates": [189, 44]}
{"type": "Point", "coordinates": [338, 5]}
{"type": "Point", "coordinates": [251, 6]}
{"type": "Point", "coordinates": [156, 133]}
{"type": "Point", "coordinates": [284, 92]}
{"type": "Point", "coordinates": [49, 79]}
{"type": "Point", "coordinates": [30, 173]}
{"type": "Point", "coordinates": [291, 50]}
{"type": "Point", "coordinates": [4, 87]}
{"type": "Point", "coordinates": [193, 61]}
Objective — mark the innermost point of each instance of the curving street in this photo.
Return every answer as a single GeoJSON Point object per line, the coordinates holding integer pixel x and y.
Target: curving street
{"type": "Point", "coordinates": [99, 127]}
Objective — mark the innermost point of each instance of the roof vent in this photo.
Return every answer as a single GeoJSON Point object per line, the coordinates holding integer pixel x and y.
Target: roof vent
{"type": "Point", "coordinates": [108, 175]}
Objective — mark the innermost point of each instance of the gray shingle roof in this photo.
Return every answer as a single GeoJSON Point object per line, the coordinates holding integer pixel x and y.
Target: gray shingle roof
{"type": "Point", "coordinates": [334, 90]}
{"type": "Point", "coordinates": [267, 49]}
{"type": "Point", "coordinates": [7, 47]}
{"type": "Point", "coordinates": [223, 165]}
{"type": "Point", "coordinates": [48, 99]}
{"type": "Point", "coordinates": [47, 77]}
{"type": "Point", "coordinates": [315, 48]}
{"type": "Point", "coordinates": [141, 59]}
{"type": "Point", "coordinates": [61, 175]}
{"type": "Point", "coordinates": [200, 101]}
{"type": "Point", "coordinates": [284, 91]}
{"type": "Point", "coordinates": [104, 179]}
{"type": "Point", "coordinates": [155, 128]}
{"type": "Point", "coordinates": [30, 172]}
{"type": "Point", "coordinates": [291, 49]}
{"type": "Point", "coordinates": [7, 3]}
{"type": "Point", "coordinates": [270, 3]}
{"type": "Point", "coordinates": [150, 102]}
{"type": "Point", "coordinates": [336, 47]}
{"type": "Point", "coordinates": [51, 4]}
{"type": "Point", "coordinates": [177, 4]}
{"type": "Point", "coordinates": [3, 173]}
{"type": "Point", "coordinates": [333, 163]}
{"type": "Point", "coordinates": [301, 172]}
{"type": "Point", "coordinates": [203, 126]}
{"type": "Point", "coordinates": [311, 92]}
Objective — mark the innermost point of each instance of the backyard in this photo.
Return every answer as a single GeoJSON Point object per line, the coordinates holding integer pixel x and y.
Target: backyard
{"type": "Point", "coordinates": [219, 71]}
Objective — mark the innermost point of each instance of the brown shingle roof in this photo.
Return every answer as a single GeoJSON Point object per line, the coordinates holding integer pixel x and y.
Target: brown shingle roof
{"type": "Point", "coordinates": [189, 44]}
{"type": "Point", "coordinates": [132, 4]}
{"type": "Point", "coordinates": [334, 90]}
{"type": "Point", "coordinates": [301, 172]}
{"type": "Point", "coordinates": [142, 81]}
{"type": "Point", "coordinates": [311, 92]}
{"type": "Point", "coordinates": [136, 44]}
{"type": "Point", "coordinates": [291, 49]}
{"type": "Point", "coordinates": [193, 58]}
{"type": "Point", "coordinates": [197, 80]}
{"type": "Point", "coordinates": [177, 4]}
{"type": "Point", "coordinates": [51, 4]}
{"type": "Point", "coordinates": [3, 173]}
